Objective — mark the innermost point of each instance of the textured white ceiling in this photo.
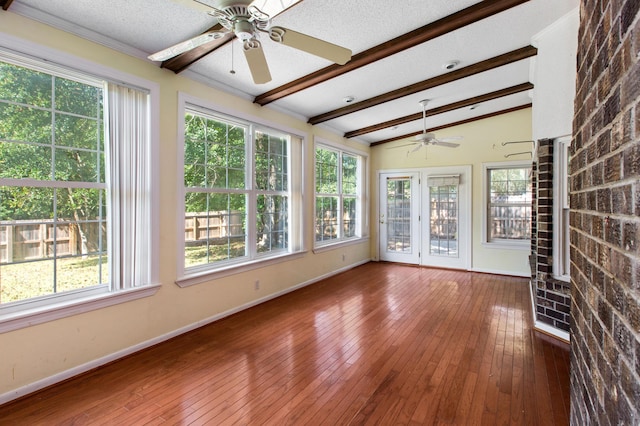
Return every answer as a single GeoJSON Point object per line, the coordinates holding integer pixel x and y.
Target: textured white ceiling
{"type": "Point", "coordinates": [142, 27]}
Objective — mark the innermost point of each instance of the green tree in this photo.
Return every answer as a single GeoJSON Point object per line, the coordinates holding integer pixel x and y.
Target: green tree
{"type": "Point", "coordinates": [51, 128]}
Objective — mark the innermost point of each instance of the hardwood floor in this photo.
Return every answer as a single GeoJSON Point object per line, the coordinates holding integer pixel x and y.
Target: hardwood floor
{"type": "Point", "coordinates": [380, 344]}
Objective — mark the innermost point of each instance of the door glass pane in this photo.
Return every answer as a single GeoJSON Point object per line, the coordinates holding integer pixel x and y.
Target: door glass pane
{"type": "Point", "coordinates": [398, 213]}
{"type": "Point", "coordinates": [444, 220]}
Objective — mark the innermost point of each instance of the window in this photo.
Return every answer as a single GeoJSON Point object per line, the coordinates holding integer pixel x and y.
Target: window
{"type": "Point", "coordinates": [443, 208]}
{"type": "Point", "coordinates": [508, 204]}
{"type": "Point", "coordinates": [561, 246]}
{"type": "Point", "coordinates": [64, 163]}
{"type": "Point", "coordinates": [338, 195]}
{"type": "Point", "coordinates": [241, 194]}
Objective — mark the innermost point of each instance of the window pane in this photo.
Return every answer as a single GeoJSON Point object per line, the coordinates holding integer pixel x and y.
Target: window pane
{"type": "Point", "coordinates": [25, 203]}
{"type": "Point", "coordinates": [20, 123]}
{"type": "Point", "coordinates": [271, 223]}
{"type": "Point", "coordinates": [78, 98]}
{"type": "Point", "coordinates": [21, 281]}
{"type": "Point", "coordinates": [510, 204]}
{"type": "Point", "coordinates": [349, 218]}
{"type": "Point", "coordinates": [77, 132]}
{"type": "Point", "coordinates": [444, 220]}
{"type": "Point", "coordinates": [214, 228]}
{"type": "Point", "coordinates": [25, 86]}
{"type": "Point", "coordinates": [326, 171]}
{"type": "Point", "coordinates": [271, 160]}
{"type": "Point", "coordinates": [326, 218]}
{"type": "Point", "coordinates": [78, 166]}
{"type": "Point", "coordinates": [24, 161]}
{"type": "Point", "coordinates": [398, 215]}
{"type": "Point", "coordinates": [349, 174]}
{"type": "Point", "coordinates": [214, 153]}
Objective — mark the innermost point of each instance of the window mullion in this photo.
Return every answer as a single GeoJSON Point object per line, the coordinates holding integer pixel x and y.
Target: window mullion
{"type": "Point", "coordinates": [252, 192]}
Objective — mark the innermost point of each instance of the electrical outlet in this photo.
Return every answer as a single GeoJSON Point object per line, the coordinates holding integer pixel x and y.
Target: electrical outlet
{"type": "Point", "coordinates": [256, 286]}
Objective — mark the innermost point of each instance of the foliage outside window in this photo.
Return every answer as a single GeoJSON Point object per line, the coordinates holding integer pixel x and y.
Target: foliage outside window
{"type": "Point", "coordinates": [338, 190]}
{"type": "Point", "coordinates": [508, 204]}
{"type": "Point", "coordinates": [56, 193]}
{"type": "Point", "coordinates": [237, 191]}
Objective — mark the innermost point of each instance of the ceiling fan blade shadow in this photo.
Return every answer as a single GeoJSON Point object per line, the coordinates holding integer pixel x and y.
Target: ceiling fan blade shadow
{"type": "Point", "coordinates": [417, 147]}
{"type": "Point", "coordinates": [334, 53]}
{"type": "Point", "coordinates": [195, 4]}
{"type": "Point", "coordinates": [186, 45]}
{"type": "Point", "coordinates": [447, 144]}
{"type": "Point", "coordinates": [450, 139]}
{"type": "Point", "coordinates": [257, 62]}
{"type": "Point", "coordinates": [403, 145]}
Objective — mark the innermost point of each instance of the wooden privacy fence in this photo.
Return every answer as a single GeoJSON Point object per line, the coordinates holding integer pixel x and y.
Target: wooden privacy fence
{"type": "Point", "coordinates": [29, 240]}
{"type": "Point", "coordinates": [203, 226]}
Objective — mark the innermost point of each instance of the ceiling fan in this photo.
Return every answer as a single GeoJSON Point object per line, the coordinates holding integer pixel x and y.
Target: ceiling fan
{"type": "Point", "coordinates": [247, 20]}
{"type": "Point", "coordinates": [424, 139]}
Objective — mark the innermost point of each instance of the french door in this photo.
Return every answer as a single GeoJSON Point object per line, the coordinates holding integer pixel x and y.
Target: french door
{"type": "Point", "coordinates": [399, 226]}
{"type": "Point", "coordinates": [425, 217]}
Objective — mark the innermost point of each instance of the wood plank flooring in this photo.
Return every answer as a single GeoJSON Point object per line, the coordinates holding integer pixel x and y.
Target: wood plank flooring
{"type": "Point", "coordinates": [380, 344]}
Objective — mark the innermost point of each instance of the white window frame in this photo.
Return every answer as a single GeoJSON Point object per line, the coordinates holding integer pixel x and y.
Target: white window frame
{"type": "Point", "coordinates": [203, 273]}
{"type": "Point", "coordinates": [500, 243]}
{"type": "Point", "coordinates": [561, 245]}
{"type": "Point", "coordinates": [30, 312]}
{"type": "Point", "coordinates": [362, 196]}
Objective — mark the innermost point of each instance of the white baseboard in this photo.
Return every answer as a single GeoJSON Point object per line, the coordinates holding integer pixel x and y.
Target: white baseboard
{"type": "Point", "coordinates": [500, 272]}
{"type": "Point", "coordinates": [83, 368]}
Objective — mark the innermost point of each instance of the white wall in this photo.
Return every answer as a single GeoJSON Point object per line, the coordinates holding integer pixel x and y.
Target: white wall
{"type": "Point", "coordinates": [554, 75]}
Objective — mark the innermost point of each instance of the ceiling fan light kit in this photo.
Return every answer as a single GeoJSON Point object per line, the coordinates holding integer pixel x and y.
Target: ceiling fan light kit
{"type": "Point", "coordinates": [246, 20]}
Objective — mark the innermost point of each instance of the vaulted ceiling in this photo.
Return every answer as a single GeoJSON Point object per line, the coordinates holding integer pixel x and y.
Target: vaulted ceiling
{"type": "Point", "coordinates": [399, 55]}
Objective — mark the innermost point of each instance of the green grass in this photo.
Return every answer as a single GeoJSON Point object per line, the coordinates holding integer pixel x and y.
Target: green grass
{"type": "Point", "coordinates": [21, 281]}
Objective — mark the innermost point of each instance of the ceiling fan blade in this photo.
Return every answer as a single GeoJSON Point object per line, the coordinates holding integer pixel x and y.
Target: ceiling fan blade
{"type": "Point", "coordinates": [338, 54]}
{"type": "Point", "coordinates": [447, 144]}
{"type": "Point", "coordinates": [257, 62]}
{"type": "Point", "coordinates": [186, 45]}
{"type": "Point", "coordinates": [271, 7]}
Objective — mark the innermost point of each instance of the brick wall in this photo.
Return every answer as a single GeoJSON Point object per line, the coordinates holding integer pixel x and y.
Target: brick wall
{"type": "Point", "coordinates": [553, 297]}
{"type": "Point", "coordinates": [605, 217]}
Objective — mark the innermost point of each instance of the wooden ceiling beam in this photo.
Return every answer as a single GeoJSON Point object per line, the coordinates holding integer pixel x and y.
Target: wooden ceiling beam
{"type": "Point", "coordinates": [5, 4]}
{"type": "Point", "coordinates": [184, 60]}
{"type": "Point", "coordinates": [439, 110]}
{"type": "Point", "coordinates": [477, 68]}
{"type": "Point", "coordinates": [462, 18]}
{"type": "Point", "coordinates": [456, 123]}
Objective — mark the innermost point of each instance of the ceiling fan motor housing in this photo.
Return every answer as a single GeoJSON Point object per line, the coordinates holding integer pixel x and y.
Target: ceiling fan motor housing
{"type": "Point", "coordinates": [243, 29]}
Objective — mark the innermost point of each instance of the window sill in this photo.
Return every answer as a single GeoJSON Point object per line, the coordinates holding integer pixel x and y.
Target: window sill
{"type": "Point", "coordinates": [563, 278]}
{"type": "Point", "coordinates": [208, 275]}
{"type": "Point", "coordinates": [339, 244]}
{"type": "Point", "coordinates": [52, 312]}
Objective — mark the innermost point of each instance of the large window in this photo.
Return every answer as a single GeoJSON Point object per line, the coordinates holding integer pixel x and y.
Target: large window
{"type": "Point", "coordinates": [240, 205]}
{"type": "Point", "coordinates": [65, 163]}
{"type": "Point", "coordinates": [508, 203]}
{"type": "Point", "coordinates": [338, 195]}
